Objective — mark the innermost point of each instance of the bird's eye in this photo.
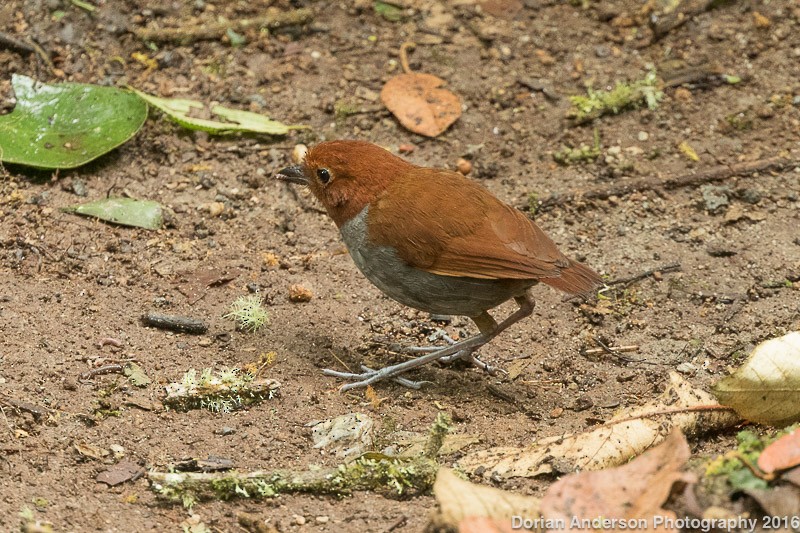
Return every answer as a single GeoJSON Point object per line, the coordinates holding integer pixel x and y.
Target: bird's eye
{"type": "Point", "coordinates": [324, 175]}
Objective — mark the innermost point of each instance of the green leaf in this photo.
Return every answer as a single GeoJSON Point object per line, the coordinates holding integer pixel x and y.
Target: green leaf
{"type": "Point", "coordinates": [123, 211]}
{"type": "Point", "coordinates": [767, 387]}
{"type": "Point", "coordinates": [388, 11]}
{"type": "Point", "coordinates": [136, 375]}
{"type": "Point", "coordinates": [68, 124]}
{"type": "Point", "coordinates": [179, 109]}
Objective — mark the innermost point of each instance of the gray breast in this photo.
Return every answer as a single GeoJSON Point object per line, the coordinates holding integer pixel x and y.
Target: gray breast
{"type": "Point", "coordinates": [422, 290]}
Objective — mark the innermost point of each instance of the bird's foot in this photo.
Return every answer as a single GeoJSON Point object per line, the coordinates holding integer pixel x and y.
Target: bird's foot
{"type": "Point", "coordinates": [370, 376]}
{"type": "Point", "coordinates": [470, 357]}
{"type": "Point", "coordinates": [439, 334]}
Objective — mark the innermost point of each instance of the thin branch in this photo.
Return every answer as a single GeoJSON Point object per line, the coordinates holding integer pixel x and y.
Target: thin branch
{"type": "Point", "coordinates": [216, 30]}
{"type": "Point", "coordinates": [714, 174]}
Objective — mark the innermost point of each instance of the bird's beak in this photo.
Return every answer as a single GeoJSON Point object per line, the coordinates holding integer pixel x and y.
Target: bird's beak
{"type": "Point", "coordinates": [293, 174]}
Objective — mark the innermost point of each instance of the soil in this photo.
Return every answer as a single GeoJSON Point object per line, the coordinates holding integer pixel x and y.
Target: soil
{"type": "Point", "coordinates": [67, 283]}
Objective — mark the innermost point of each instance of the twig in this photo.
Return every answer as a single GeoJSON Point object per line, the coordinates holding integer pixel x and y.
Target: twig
{"type": "Point", "coordinates": [371, 471]}
{"type": "Point", "coordinates": [183, 324]}
{"type": "Point", "coordinates": [37, 411]}
{"type": "Point", "coordinates": [646, 274]}
{"type": "Point", "coordinates": [718, 173]}
{"type": "Point", "coordinates": [618, 349]}
{"type": "Point", "coordinates": [615, 353]}
{"type": "Point", "coordinates": [216, 30]}
{"type": "Point", "coordinates": [9, 41]}
{"type": "Point", "coordinates": [404, 48]}
{"type": "Point", "coordinates": [114, 368]}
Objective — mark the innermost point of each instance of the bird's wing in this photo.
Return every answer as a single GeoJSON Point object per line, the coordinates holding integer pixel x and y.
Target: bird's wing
{"type": "Point", "coordinates": [443, 223]}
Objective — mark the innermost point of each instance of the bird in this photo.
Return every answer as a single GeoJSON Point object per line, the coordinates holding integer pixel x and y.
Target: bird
{"type": "Point", "coordinates": [434, 240]}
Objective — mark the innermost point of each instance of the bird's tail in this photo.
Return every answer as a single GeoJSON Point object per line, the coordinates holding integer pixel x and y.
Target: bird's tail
{"type": "Point", "coordinates": [577, 279]}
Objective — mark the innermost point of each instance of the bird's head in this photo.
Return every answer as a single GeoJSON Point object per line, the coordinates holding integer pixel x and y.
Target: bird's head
{"type": "Point", "coordinates": [346, 176]}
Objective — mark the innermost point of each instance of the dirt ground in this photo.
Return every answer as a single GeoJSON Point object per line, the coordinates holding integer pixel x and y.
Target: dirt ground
{"type": "Point", "coordinates": [67, 282]}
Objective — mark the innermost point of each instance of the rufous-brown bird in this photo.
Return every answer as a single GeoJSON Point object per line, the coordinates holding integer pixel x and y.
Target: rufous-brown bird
{"type": "Point", "coordinates": [433, 240]}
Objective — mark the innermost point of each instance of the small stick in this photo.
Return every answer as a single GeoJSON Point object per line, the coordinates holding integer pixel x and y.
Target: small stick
{"type": "Point", "coordinates": [9, 41]}
{"type": "Point", "coordinates": [646, 274]}
{"type": "Point", "coordinates": [109, 341]}
{"type": "Point", "coordinates": [404, 48]}
{"type": "Point", "coordinates": [183, 324]}
{"type": "Point", "coordinates": [717, 173]}
{"type": "Point", "coordinates": [617, 349]}
{"type": "Point", "coordinates": [114, 368]}
{"type": "Point", "coordinates": [213, 31]}
{"type": "Point", "coordinates": [611, 351]}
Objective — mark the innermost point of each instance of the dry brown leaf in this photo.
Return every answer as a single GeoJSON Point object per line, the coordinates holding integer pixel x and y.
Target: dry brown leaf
{"type": "Point", "coordinates": [420, 104]}
{"type": "Point", "coordinates": [766, 387]}
{"type": "Point", "coordinates": [635, 491]}
{"type": "Point", "coordinates": [610, 444]}
{"type": "Point", "coordinates": [782, 454]}
{"type": "Point", "coordinates": [461, 500]}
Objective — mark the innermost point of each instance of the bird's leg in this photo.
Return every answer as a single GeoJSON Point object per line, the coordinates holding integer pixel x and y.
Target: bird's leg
{"type": "Point", "coordinates": [489, 329]}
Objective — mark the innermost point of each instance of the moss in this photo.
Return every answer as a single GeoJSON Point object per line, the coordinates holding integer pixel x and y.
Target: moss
{"type": "Point", "coordinates": [622, 97]}
{"type": "Point", "coordinates": [570, 156]}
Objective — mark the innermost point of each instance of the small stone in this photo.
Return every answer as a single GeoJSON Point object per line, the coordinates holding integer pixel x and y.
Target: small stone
{"type": "Point", "coordinates": [299, 153]}
{"type": "Point", "coordinates": [299, 520]}
{"type": "Point", "coordinates": [765, 112]}
{"type": "Point", "coordinates": [683, 95]}
{"type": "Point", "coordinates": [602, 51]}
{"type": "Point", "coordinates": [715, 197]}
{"type": "Point", "coordinates": [557, 412]}
{"type": "Point", "coordinates": [205, 342]}
{"type": "Point", "coordinates": [323, 519]}
{"type": "Point", "coordinates": [545, 58]}
{"type": "Point", "coordinates": [751, 196]}
{"type": "Point", "coordinates": [366, 94]}
{"type": "Point", "coordinates": [464, 166]}
{"type": "Point", "coordinates": [760, 20]}
{"type": "Point", "coordinates": [625, 376]}
{"type": "Point", "coordinates": [406, 148]}
{"type": "Point", "coordinates": [299, 294]}
{"type": "Point", "coordinates": [643, 136]}
{"type": "Point", "coordinates": [686, 368]}
{"type": "Point", "coordinates": [583, 403]}
{"type": "Point", "coordinates": [215, 209]}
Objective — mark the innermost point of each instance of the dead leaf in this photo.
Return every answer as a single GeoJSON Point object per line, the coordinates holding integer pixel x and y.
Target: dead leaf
{"type": "Point", "coordinates": [92, 451]}
{"type": "Point", "coordinates": [636, 490]}
{"type": "Point", "coordinates": [766, 387]}
{"type": "Point", "coordinates": [782, 454]}
{"type": "Point", "coordinates": [120, 473]}
{"type": "Point", "coordinates": [460, 500]}
{"type": "Point", "coordinates": [420, 104]}
{"type": "Point", "coordinates": [610, 444]}
{"type": "Point", "coordinates": [344, 436]}
{"type": "Point", "coordinates": [783, 501]}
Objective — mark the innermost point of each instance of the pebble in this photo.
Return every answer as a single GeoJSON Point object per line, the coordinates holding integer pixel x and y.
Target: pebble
{"type": "Point", "coordinates": [686, 368]}
{"type": "Point", "coordinates": [464, 166]}
{"type": "Point", "coordinates": [626, 375]}
{"type": "Point", "coordinates": [299, 520]}
{"type": "Point", "coordinates": [215, 209]}
{"type": "Point", "coordinates": [406, 148]}
{"type": "Point", "coordinates": [643, 136]}
{"type": "Point", "coordinates": [715, 196]}
{"type": "Point", "coordinates": [323, 519]}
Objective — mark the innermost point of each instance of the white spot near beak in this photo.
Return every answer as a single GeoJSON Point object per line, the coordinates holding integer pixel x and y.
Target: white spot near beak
{"type": "Point", "coordinates": [299, 153]}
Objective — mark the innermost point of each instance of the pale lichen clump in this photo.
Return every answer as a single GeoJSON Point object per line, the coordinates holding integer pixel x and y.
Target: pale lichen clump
{"type": "Point", "coordinates": [248, 312]}
{"type": "Point", "coordinates": [221, 392]}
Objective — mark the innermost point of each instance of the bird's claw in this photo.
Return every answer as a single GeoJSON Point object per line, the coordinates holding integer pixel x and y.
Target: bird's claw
{"type": "Point", "coordinates": [370, 376]}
